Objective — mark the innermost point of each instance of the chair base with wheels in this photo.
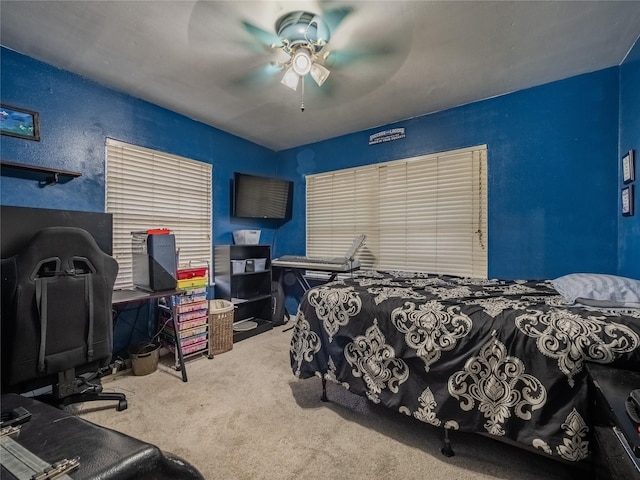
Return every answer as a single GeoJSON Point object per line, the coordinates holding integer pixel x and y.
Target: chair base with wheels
{"type": "Point", "coordinates": [76, 389]}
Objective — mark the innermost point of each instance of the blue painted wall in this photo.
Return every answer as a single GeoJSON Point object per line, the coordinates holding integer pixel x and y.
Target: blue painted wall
{"type": "Point", "coordinates": [629, 227]}
{"type": "Point", "coordinates": [552, 166]}
{"type": "Point", "coordinates": [77, 115]}
{"type": "Point", "coordinates": [553, 161]}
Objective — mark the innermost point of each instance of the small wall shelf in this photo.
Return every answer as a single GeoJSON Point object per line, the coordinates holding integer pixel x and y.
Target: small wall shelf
{"type": "Point", "coordinates": [43, 175]}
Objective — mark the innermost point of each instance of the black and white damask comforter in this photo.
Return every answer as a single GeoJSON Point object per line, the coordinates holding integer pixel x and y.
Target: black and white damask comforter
{"type": "Point", "coordinates": [503, 358]}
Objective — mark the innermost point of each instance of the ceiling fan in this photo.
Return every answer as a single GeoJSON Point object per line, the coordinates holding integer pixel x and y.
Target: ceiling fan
{"type": "Point", "coordinates": [303, 36]}
{"type": "Point", "coordinates": [347, 50]}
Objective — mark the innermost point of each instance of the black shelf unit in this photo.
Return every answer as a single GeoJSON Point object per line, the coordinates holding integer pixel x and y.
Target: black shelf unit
{"type": "Point", "coordinates": [43, 175]}
{"type": "Point", "coordinates": [249, 291]}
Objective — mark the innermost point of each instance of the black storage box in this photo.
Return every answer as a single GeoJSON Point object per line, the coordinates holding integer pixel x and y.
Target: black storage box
{"type": "Point", "coordinates": [154, 261]}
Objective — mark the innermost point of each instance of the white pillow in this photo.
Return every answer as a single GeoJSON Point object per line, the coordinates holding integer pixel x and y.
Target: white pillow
{"type": "Point", "coordinates": [610, 290]}
{"type": "Point", "coordinates": [606, 304]}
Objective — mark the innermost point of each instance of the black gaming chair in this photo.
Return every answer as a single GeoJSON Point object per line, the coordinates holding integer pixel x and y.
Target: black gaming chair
{"type": "Point", "coordinates": [56, 320]}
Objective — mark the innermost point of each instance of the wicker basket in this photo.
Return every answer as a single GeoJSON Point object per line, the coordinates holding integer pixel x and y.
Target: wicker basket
{"type": "Point", "coordinates": [220, 326]}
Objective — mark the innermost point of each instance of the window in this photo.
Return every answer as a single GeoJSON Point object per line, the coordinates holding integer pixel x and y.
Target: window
{"type": "Point", "coordinates": [426, 213]}
{"type": "Point", "coordinates": [149, 189]}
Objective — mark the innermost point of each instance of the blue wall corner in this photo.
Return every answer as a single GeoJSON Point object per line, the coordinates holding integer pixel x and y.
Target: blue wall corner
{"type": "Point", "coordinates": [629, 227]}
{"type": "Point", "coordinates": [551, 168]}
{"type": "Point", "coordinates": [76, 117]}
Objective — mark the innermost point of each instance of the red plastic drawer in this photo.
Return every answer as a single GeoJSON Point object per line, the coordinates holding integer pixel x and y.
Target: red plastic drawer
{"type": "Point", "coordinates": [186, 273]}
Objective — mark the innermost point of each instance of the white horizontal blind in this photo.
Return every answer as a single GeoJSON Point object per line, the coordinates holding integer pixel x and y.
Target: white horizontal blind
{"type": "Point", "coordinates": [427, 213]}
{"type": "Point", "coordinates": [341, 205]}
{"type": "Point", "coordinates": [149, 189]}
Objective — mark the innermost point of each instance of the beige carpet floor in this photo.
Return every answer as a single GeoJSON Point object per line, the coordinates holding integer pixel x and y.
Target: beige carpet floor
{"type": "Point", "coordinates": [243, 415]}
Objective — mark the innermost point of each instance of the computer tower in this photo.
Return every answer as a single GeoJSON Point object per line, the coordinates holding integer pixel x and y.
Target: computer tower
{"type": "Point", "coordinates": [154, 261]}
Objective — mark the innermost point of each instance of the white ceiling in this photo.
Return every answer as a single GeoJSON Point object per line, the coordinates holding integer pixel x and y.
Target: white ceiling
{"type": "Point", "coordinates": [407, 58]}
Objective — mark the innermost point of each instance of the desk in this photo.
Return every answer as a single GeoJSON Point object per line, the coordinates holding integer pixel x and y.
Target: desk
{"type": "Point", "coordinates": [300, 278]}
{"type": "Point", "coordinates": [123, 297]}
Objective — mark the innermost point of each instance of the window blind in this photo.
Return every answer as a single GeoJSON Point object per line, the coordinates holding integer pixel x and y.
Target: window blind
{"type": "Point", "coordinates": [426, 213]}
{"type": "Point", "coordinates": [150, 189]}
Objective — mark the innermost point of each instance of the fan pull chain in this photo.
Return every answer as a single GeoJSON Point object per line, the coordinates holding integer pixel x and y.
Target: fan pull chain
{"type": "Point", "coordinates": [302, 96]}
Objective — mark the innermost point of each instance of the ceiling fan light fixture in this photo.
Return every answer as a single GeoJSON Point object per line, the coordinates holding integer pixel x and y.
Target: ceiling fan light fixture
{"type": "Point", "coordinates": [301, 62]}
{"type": "Point", "coordinates": [319, 73]}
{"type": "Point", "coordinates": [303, 36]}
{"type": "Point", "coordinates": [290, 78]}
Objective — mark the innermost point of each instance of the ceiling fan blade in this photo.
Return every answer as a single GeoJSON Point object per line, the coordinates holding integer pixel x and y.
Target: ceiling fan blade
{"type": "Point", "coordinates": [210, 37]}
{"type": "Point", "coordinates": [368, 49]}
{"type": "Point", "coordinates": [260, 76]}
{"type": "Point", "coordinates": [348, 56]}
{"type": "Point", "coordinates": [334, 17]}
{"type": "Point", "coordinates": [266, 38]}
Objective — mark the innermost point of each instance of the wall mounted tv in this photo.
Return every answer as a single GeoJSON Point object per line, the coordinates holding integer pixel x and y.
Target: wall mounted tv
{"type": "Point", "coordinates": [261, 197]}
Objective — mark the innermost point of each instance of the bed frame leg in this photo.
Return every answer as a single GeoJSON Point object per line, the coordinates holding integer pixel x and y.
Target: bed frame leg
{"type": "Point", "coordinates": [446, 449]}
{"type": "Point", "coordinates": [324, 390]}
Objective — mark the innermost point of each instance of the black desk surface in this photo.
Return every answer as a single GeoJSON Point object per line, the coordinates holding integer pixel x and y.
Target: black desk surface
{"type": "Point", "coordinates": [54, 434]}
{"type": "Point", "coordinates": [137, 295]}
{"type": "Point", "coordinates": [614, 385]}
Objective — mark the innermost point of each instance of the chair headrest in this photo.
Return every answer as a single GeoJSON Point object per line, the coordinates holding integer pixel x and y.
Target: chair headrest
{"type": "Point", "coordinates": [67, 250]}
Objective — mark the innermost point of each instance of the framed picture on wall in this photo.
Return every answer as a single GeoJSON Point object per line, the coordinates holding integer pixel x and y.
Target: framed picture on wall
{"type": "Point", "coordinates": [18, 122]}
{"type": "Point", "coordinates": [627, 201]}
{"type": "Point", "coordinates": [628, 167]}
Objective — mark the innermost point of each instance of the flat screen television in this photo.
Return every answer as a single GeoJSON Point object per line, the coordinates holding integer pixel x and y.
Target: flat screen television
{"type": "Point", "coordinates": [255, 196]}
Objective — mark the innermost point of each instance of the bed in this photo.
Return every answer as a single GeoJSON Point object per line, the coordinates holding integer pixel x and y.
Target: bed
{"type": "Point", "coordinates": [504, 358]}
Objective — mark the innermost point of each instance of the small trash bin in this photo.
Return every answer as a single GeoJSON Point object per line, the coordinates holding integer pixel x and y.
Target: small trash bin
{"type": "Point", "coordinates": [220, 326]}
{"type": "Point", "coordinates": [144, 358]}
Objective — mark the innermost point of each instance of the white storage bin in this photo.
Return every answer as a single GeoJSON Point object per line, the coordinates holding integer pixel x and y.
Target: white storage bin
{"type": "Point", "coordinates": [238, 266]}
{"type": "Point", "coordinates": [246, 237]}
